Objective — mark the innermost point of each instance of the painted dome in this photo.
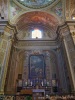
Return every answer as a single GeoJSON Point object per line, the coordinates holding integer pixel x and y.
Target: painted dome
{"type": "Point", "coordinates": [35, 3]}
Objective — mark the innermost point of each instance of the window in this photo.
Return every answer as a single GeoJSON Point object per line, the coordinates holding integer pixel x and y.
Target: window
{"type": "Point", "coordinates": [36, 34]}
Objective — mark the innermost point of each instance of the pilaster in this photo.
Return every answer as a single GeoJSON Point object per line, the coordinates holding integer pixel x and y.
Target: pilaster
{"type": "Point", "coordinates": [67, 40]}
{"type": "Point", "coordinates": [6, 43]}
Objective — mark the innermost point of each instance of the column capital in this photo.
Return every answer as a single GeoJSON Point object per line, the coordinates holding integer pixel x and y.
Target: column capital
{"type": "Point", "coordinates": [63, 30]}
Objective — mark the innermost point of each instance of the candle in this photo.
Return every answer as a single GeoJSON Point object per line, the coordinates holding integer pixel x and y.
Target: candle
{"type": "Point", "coordinates": [42, 83]}
{"type": "Point", "coordinates": [31, 83]}
{"type": "Point", "coordinates": [26, 83]}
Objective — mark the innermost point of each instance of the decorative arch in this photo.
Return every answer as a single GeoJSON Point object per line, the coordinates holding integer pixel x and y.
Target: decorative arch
{"type": "Point", "coordinates": [45, 16]}
{"type": "Point", "coordinates": [36, 19]}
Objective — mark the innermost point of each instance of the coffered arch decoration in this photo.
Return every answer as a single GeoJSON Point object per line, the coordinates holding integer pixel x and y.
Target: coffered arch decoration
{"type": "Point", "coordinates": [43, 21]}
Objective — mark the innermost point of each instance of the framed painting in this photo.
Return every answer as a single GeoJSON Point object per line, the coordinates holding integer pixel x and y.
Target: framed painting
{"type": "Point", "coordinates": [36, 66]}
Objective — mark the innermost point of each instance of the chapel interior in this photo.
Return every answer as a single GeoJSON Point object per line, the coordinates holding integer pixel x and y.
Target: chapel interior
{"type": "Point", "coordinates": [37, 48]}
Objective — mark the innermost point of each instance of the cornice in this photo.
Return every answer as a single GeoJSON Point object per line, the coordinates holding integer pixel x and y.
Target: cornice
{"type": "Point", "coordinates": [36, 43]}
{"type": "Point", "coordinates": [62, 27]}
{"type": "Point", "coordinates": [3, 22]}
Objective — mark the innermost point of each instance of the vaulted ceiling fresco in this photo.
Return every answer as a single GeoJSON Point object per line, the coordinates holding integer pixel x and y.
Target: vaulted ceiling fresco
{"type": "Point", "coordinates": [16, 8]}
{"type": "Point", "coordinates": [62, 8]}
{"type": "Point", "coordinates": [36, 19]}
{"type": "Point", "coordinates": [41, 20]}
{"type": "Point", "coordinates": [35, 3]}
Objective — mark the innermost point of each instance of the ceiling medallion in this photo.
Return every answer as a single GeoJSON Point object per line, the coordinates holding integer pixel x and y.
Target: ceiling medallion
{"type": "Point", "coordinates": [35, 3]}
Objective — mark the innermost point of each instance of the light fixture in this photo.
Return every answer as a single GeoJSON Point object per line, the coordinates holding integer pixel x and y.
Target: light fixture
{"type": "Point", "coordinates": [73, 15]}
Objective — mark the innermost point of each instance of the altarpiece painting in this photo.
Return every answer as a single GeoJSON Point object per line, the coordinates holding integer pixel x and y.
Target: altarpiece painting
{"type": "Point", "coordinates": [36, 67]}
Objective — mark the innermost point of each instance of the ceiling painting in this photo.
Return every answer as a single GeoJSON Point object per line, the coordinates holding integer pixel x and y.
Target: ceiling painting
{"type": "Point", "coordinates": [40, 20]}
{"type": "Point", "coordinates": [35, 3]}
{"type": "Point", "coordinates": [58, 9]}
{"type": "Point", "coordinates": [37, 17]}
{"type": "Point", "coordinates": [14, 11]}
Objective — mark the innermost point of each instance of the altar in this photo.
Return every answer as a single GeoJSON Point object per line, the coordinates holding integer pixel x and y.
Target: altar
{"type": "Point", "coordinates": [42, 91]}
{"type": "Point", "coordinates": [38, 91]}
{"type": "Point", "coordinates": [32, 91]}
{"type": "Point", "coordinates": [39, 94]}
{"type": "Point", "coordinates": [36, 94]}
